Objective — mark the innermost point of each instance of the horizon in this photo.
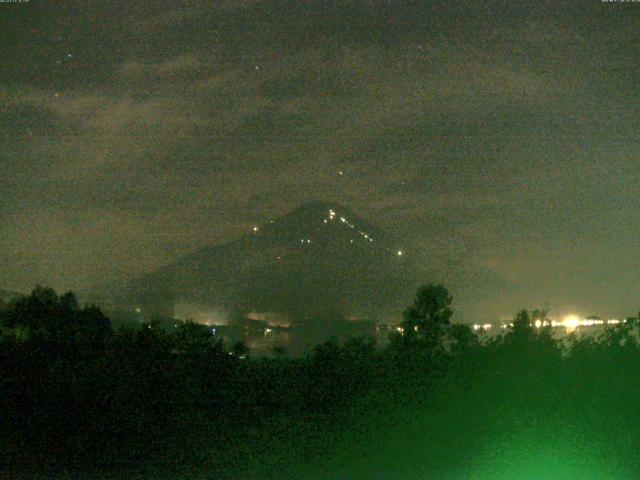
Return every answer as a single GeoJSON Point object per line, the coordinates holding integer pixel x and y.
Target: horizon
{"type": "Point", "coordinates": [556, 311]}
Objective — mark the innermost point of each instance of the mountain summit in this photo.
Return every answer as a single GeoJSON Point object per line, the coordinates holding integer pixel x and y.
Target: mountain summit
{"type": "Point", "coordinates": [321, 259]}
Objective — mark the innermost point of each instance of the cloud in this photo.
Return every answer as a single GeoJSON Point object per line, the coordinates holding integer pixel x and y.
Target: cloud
{"type": "Point", "coordinates": [496, 138]}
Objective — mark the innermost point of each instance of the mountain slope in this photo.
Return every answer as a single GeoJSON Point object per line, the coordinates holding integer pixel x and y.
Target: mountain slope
{"type": "Point", "coordinates": [320, 259]}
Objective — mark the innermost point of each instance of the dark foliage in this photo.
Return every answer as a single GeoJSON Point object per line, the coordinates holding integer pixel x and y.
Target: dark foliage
{"type": "Point", "coordinates": [78, 397]}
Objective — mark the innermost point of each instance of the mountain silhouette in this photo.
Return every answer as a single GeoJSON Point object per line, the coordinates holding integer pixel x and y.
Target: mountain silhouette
{"type": "Point", "coordinates": [319, 260]}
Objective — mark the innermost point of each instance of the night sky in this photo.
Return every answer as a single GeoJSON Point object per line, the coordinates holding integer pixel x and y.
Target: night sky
{"type": "Point", "coordinates": [500, 135]}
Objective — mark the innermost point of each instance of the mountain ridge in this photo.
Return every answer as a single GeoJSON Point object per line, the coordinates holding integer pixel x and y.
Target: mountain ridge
{"type": "Point", "coordinates": [320, 259]}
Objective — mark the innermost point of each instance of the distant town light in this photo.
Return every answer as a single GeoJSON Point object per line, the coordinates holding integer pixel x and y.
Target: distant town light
{"type": "Point", "coordinates": [571, 322]}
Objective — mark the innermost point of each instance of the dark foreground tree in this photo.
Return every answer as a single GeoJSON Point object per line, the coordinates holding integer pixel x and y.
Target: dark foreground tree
{"type": "Point", "coordinates": [430, 314]}
{"type": "Point", "coordinates": [56, 317]}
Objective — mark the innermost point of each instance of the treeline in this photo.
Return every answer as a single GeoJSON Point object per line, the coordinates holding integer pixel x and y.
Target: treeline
{"type": "Point", "coordinates": [78, 397]}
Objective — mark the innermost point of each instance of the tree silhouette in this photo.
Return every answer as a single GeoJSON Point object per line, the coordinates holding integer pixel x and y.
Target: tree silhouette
{"type": "Point", "coordinates": [522, 327]}
{"type": "Point", "coordinates": [44, 312]}
{"type": "Point", "coordinates": [430, 314]}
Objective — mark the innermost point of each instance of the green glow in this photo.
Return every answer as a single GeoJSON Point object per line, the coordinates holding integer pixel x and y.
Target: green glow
{"type": "Point", "coordinates": [543, 457]}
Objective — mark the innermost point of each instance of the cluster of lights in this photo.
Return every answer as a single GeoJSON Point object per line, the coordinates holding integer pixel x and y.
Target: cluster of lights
{"type": "Point", "coordinates": [482, 327]}
{"type": "Point", "coordinates": [333, 216]}
{"type": "Point", "coordinates": [366, 236]}
{"type": "Point", "coordinates": [570, 322]}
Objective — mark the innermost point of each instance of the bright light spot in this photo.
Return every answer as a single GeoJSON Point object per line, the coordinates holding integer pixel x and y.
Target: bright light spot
{"type": "Point", "coordinates": [255, 229]}
{"type": "Point", "coordinates": [571, 322]}
{"type": "Point", "coordinates": [340, 172]}
{"type": "Point", "coordinates": [399, 253]}
{"type": "Point", "coordinates": [538, 323]}
{"type": "Point", "coordinates": [138, 309]}
{"type": "Point", "coordinates": [484, 327]}
{"type": "Point", "coordinates": [325, 220]}
{"type": "Point", "coordinates": [213, 331]}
